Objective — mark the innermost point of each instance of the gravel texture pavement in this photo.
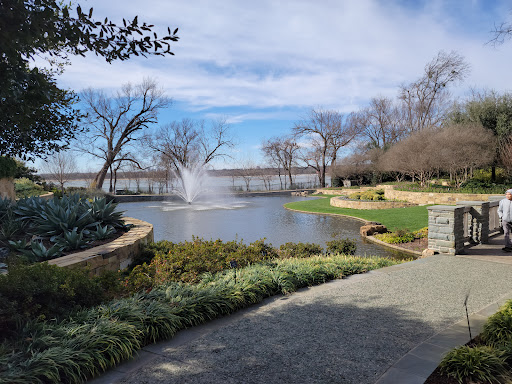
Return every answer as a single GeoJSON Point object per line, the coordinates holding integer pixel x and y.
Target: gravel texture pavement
{"type": "Point", "coordinates": [346, 331]}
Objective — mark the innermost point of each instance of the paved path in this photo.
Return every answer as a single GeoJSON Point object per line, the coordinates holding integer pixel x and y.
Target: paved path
{"type": "Point", "coordinates": [387, 326]}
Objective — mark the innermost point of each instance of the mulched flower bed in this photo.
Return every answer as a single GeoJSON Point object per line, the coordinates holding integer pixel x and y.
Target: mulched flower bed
{"type": "Point", "coordinates": [417, 245]}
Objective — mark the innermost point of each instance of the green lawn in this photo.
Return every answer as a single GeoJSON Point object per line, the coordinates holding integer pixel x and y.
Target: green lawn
{"type": "Point", "coordinates": [411, 218]}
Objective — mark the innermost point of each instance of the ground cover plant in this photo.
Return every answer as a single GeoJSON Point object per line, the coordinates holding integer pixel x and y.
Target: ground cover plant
{"type": "Point", "coordinates": [402, 236]}
{"type": "Point", "coordinates": [36, 229]}
{"type": "Point", "coordinates": [187, 261]}
{"type": "Point", "coordinates": [488, 358]}
{"type": "Point", "coordinates": [371, 195]}
{"type": "Point", "coordinates": [86, 343]}
{"type": "Point", "coordinates": [470, 186]}
{"type": "Point", "coordinates": [44, 292]}
{"type": "Point", "coordinates": [413, 218]}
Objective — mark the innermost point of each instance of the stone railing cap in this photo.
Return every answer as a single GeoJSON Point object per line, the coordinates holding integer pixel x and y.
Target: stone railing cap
{"type": "Point", "coordinates": [472, 202]}
{"type": "Point", "coordinates": [444, 207]}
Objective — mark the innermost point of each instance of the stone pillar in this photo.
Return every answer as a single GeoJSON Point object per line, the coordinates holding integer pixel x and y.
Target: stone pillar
{"type": "Point", "coordinates": [7, 189]}
{"type": "Point", "coordinates": [480, 220]}
{"type": "Point", "coordinates": [446, 229]}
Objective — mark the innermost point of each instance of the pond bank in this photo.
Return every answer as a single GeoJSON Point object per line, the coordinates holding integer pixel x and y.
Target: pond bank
{"type": "Point", "coordinates": [173, 197]}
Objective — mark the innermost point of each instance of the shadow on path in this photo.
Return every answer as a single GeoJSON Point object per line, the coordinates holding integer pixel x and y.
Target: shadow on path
{"type": "Point", "coordinates": [321, 342]}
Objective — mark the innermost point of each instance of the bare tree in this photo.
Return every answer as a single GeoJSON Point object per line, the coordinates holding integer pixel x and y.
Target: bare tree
{"type": "Point", "coordinates": [356, 167]}
{"type": "Point", "coordinates": [115, 122]}
{"type": "Point", "coordinates": [501, 33]}
{"type": "Point", "coordinates": [282, 151]}
{"type": "Point", "coordinates": [60, 167]}
{"type": "Point", "coordinates": [247, 172]}
{"type": "Point", "coordinates": [272, 151]}
{"type": "Point", "coordinates": [187, 142]}
{"type": "Point", "coordinates": [327, 132]}
{"type": "Point", "coordinates": [424, 102]}
{"type": "Point", "coordinates": [415, 156]}
{"type": "Point", "coordinates": [381, 123]}
{"type": "Point", "coordinates": [456, 149]}
{"type": "Point", "coordinates": [462, 147]}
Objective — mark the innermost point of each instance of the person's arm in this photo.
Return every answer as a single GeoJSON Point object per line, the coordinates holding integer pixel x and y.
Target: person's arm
{"type": "Point", "coordinates": [500, 209]}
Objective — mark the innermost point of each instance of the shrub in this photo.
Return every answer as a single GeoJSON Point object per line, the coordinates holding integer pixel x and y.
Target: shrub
{"type": "Point", "coordinates": [370, 195]}
{"type": "Point", "coordinates": [341, 246]}
{"type": "Point", "coordinates": [397, 237]}
{"type": "Point", "coordinates": [25, 188]}
{"type": "Point", "coordinates": [299, 250]}
{"type": "Point", "coordinates": [421, 233]}
{"type": "Point", "coordinates": [470, 186]}
{"type": "Point", "coordinates": [43, 291]}
{"type": "Point", "coordinates": [95, 339]}
{"type": "Point", "coordinates": [188, 260]}
{"type": "Point", "coordinates": [355, 196]}
{"type": "Point", "coordinates": [7, 167]}
{"type": "Point", "coordinates": [498, 328]}
{"type": "Point", "coordinates": [482, 364]}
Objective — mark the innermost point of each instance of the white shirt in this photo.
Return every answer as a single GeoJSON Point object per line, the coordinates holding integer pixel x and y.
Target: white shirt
{"type": "Point", "coordinates": [505, 210]}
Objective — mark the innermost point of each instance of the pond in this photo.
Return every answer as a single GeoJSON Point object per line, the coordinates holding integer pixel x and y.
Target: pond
{"type": "Point", "coordinates": [249, 219]}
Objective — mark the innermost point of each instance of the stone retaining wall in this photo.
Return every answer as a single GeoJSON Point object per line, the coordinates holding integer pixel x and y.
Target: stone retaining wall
{"type": "Point", "coordinates": [117, 254]}
{"type": "Point", "coordinates": [421, 198]}
{"type": "Point", "coordinates": [7, 189]}
{"type": "Point", "coordinates": [433, 198]}
{"type": "Point", "coordinates": [343, 192]}
{"type": "Point", "coordinates": [358, 204]}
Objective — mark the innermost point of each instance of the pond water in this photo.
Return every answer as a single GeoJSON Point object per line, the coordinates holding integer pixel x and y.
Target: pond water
{"type": "Point", "coordinates": [249, 219]}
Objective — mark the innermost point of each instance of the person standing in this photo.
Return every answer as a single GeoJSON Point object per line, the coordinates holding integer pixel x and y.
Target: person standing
{"type": "Point", "coordinates": [505, 214]}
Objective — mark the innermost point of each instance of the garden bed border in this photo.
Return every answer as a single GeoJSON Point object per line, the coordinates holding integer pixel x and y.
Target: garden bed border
{"type": "Point", "coordinates": [362, 204]}
{"type": "Point", "coordinates": [112, 256]}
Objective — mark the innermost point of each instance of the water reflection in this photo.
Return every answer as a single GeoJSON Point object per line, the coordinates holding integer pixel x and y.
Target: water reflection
{"type": "Point", "coordinates": [249, 219]}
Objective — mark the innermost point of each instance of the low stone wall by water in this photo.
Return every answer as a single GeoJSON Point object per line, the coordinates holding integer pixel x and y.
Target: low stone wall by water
{"type": "Point", "coordinates": [117, 254]}
{"type": "Point", "coordinates": [361, 204]}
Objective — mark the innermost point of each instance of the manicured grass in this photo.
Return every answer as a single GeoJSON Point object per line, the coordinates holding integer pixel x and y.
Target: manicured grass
{"type": "Point", "coordinates": [411, 218]}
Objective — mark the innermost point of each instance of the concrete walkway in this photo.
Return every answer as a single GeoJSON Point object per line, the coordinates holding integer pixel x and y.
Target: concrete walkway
{"type": "Point", "coordinates": [386, 326]}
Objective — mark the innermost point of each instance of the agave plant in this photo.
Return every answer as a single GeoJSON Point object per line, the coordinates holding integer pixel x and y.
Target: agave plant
{"type": "Point", "coordinates": [10, 225]}
{"type": "Point", "coordinates": [19, 246]}
{"type": "Point", "coordinates": [102, 232]}
{"type": "Point", "coordinates": [57, 218]}
{"type": "Point", "coordinates": [105, 213]}
{"type": "Point", "coordinates": [70, 240]}
{"type": "Point", "coordinates": [38, 252]}
{"type": "Point", "coordinates": [5, 204]}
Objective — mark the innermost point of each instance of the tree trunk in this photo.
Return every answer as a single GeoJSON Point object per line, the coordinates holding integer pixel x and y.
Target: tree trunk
{"type": "Point", "coordinates": [290, 176]}
{"type": "Point", "coordinates": [99, 179]}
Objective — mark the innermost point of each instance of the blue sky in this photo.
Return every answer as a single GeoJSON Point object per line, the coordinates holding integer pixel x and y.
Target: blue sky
{"type": "Point", "coordinates": [264, 64]}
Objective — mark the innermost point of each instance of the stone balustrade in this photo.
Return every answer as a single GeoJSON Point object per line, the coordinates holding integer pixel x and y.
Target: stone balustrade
{"type": "Point", "coordinates": [451, 228]}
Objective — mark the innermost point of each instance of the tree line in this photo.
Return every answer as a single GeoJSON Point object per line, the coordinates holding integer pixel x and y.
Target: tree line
{"type": "Point", "coordinates": [420, 132]}
{"type": "Point", "coordinates": [417, 135]}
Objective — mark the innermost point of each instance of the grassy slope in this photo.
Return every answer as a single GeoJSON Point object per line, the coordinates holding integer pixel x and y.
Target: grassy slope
{"type": "Point", "coordinates": [411, 218]}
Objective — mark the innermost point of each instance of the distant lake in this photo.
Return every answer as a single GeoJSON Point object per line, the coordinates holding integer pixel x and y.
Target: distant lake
{"type": "Point", "coordinates": [222, 182]}
{"type": "Point", "coordinates": [249, 219]}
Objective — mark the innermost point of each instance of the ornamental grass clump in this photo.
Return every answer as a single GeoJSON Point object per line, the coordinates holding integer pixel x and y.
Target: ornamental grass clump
{"type": "Point", "coordinates": [92, 340]}
{"type": "Point", "coordinates": [480, 364]}
{"type": "Point", "coordinates": [491, 360]}
{"type": "Point", "coordinates": [498, 328]}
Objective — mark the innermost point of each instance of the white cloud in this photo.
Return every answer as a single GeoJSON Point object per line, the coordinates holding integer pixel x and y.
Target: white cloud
{"type": "Point", "coordinates": [292, 53]}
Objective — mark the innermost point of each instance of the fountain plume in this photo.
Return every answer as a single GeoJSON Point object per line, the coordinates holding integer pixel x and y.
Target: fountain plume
{"type": "Point", "coordinates": [191, 181]}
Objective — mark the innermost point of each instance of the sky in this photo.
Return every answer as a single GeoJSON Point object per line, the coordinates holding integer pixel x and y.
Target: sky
{"type": "Point", "coordinates": [264, 64]}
